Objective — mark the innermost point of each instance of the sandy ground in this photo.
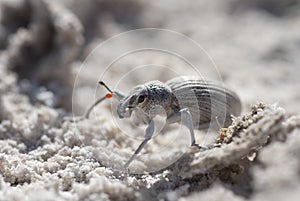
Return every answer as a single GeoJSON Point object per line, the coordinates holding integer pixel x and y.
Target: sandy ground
{"type": "Point", "coordinates": [52, 53]}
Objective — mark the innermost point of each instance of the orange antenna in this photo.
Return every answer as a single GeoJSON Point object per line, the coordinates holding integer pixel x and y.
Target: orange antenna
{"type": "Point", "coordinates": [109, 95]}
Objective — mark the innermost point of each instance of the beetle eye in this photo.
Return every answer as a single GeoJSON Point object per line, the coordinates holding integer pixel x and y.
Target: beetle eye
{"type": "Point", "coordinates": [141, 98]}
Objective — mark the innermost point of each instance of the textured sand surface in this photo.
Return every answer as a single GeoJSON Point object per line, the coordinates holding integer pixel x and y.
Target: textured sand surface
{"type": "Point", "coordinates": [50, 62]}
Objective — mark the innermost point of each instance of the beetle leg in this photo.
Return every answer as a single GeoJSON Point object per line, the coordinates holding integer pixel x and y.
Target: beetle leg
{"type": "Point", "coordinates": [187, 120]}
{"type": "Point", "coordinates": [148, 136]}
{"type": "Point", "coordinates": [223, 122]}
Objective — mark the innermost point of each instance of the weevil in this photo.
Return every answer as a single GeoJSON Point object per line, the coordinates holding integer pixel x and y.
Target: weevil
{"type": "Point", "coordinates": [193, 101]}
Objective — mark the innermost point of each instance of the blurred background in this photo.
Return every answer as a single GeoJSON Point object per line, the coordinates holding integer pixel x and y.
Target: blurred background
{"type": "Point", "coordinates": [254, 45]}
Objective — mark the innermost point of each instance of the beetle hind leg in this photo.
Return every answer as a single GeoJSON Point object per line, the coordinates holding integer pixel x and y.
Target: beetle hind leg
{"type": "Point", "coordinates": [187, 120]}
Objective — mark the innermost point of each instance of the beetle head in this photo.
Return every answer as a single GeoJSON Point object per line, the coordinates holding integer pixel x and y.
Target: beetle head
{"type": "Point", "coordinates": [136, 98]}
{"type": "Point", "coordinates": [149, 99]}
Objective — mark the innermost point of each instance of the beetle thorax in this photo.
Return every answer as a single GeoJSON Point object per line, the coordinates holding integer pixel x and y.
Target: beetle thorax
{"type": "Point", "coordinates": [159, 98]}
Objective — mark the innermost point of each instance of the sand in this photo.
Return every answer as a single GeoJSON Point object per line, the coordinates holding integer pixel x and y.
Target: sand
{"type": "Point", "coordinates": [52, 53]}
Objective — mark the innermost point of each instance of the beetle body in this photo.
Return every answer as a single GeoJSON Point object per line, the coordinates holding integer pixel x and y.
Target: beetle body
{"type": "Point", "coordinates": [192, 101]}
{"type": "Point", "coordinates": [205, 100]}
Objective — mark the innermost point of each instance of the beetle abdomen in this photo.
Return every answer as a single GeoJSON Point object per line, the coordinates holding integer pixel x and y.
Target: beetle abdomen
{"type": "Point", "coordinates": [206, 100]}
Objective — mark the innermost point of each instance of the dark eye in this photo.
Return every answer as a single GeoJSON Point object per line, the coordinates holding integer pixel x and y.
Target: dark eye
{"type": "Point", "coordinates": [141, 98]}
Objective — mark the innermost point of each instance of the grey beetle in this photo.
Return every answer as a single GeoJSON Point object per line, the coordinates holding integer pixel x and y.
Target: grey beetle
{"type": "Point", "coordinates": [195, 102]}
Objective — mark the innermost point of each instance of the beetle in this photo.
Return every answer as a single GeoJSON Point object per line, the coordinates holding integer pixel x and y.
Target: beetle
{"type": "Point", "coordinates": [195, 102]}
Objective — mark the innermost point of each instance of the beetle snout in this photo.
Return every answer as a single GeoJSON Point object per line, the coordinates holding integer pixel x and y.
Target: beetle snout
{"type": "Point", "coordinates": [123, 112]}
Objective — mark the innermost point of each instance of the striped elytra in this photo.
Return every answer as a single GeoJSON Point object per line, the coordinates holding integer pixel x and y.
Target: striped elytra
{"type": "Point", "coordinates": [206, 100]}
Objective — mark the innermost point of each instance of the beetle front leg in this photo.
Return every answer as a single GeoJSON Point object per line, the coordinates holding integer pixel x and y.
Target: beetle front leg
{"type": "Point", "coordinates": [148, 136]}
